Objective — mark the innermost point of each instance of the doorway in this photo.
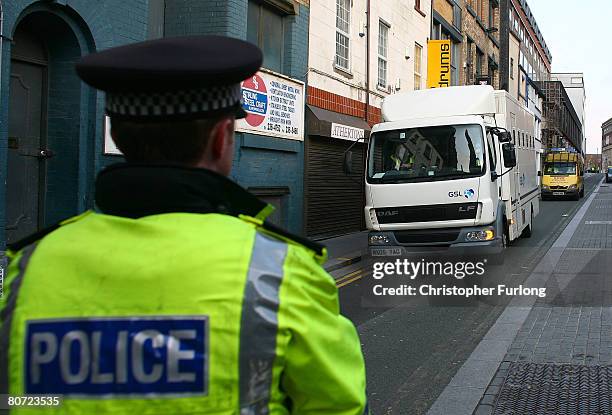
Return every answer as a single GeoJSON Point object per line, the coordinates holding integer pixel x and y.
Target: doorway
{"type": "Point", "coordinates": [27, 121]}
{"type": "Point", "coordinates": [43, 159]}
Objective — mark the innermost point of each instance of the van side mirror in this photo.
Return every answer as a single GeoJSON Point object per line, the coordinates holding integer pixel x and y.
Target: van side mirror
{"type": "Point", "coordinates": [539, 173]}
{"type": "Point", "coordinates": [509, 154]}
{"type": "Point", "coordinates": [504, 137]}
{"type": "Point", "coordinates": [347, 166]}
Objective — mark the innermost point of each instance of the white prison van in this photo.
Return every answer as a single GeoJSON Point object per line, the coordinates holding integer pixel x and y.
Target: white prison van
{"type": "Point", "coordinates": [454, 168]}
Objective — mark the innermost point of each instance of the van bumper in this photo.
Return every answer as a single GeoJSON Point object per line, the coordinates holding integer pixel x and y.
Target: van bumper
{"type": "Point", "coordinates": [548, 193]}
{"type": "Point", "coordinates": [446, 242]}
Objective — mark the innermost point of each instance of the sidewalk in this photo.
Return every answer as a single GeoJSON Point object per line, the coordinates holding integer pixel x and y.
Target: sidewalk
{"type": "Point", "coordinates": [345, 250]}
{"type": "Point", "coordinates": [551, 355]}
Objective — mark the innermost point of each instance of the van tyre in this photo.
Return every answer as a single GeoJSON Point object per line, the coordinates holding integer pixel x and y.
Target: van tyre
{"type": "Point", "coordinates": [582, 192]}
{"type": "Point", "coordinates": [499, 258]}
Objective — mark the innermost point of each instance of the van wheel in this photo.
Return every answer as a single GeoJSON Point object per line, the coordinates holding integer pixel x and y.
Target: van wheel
{"type": "Point", "coordinates": [499, 258]}
{"type": "Point", "coordinates": [582, 192]}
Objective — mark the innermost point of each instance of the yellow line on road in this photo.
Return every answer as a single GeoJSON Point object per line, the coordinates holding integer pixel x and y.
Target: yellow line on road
{"type": "Point", "coordinates": [348, 276]}
{"type": "Point", "coordinates": [347, 282]}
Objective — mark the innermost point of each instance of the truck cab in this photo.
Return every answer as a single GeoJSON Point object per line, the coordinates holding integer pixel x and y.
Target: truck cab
{"type": "Point", "coordinates": [442, 172]}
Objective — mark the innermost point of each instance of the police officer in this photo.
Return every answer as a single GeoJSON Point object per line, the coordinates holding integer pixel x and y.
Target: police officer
{"type": "Point", "coordinates": [176, 296]}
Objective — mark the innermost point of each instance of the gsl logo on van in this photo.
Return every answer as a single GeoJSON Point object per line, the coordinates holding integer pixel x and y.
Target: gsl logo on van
{"type": "Point", "coordinates": [467, 193]}
{"type": "Point", "coordinates": [117, 356]}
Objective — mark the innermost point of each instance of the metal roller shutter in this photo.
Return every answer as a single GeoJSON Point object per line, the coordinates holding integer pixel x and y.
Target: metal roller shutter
{"type": "Point", "coordinates": [334, 201]}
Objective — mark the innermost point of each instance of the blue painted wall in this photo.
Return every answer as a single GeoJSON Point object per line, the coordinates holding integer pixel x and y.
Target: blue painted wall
{"type": "Point", "coordinates": [259, 161]}
{"type": "Point", "coordinates": [75, 119]}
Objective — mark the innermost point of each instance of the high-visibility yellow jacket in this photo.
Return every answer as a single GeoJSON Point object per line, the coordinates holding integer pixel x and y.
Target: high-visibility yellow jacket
{"type": "Point", "coordinates": [176, 300]}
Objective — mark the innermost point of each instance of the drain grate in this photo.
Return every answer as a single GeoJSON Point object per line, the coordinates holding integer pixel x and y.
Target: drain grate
{"type": "Point", "coordinates": [547, 389]}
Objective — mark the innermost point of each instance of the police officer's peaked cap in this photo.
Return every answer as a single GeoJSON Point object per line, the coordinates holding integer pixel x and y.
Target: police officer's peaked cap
{"type": "Point", "coordinates": [172, 78]}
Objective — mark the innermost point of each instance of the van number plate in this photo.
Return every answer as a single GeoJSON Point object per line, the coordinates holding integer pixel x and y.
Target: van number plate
{"type": "Point", "coordinates": [386, 252]}
{"type": "Point", "coordinates": [558, 193]}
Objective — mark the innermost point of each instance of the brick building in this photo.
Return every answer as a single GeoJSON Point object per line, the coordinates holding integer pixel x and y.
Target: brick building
{"type": "Point", "coordinates": [525, 58]}
{"type": "Point", "coordinates": [592, 163]}
{"type": "Point", "coordinates": [53, 133]}
{"type": "Point", "coordinates": [361, 51]}
{"type": "Point", "coordinates": [473, 28]}
{"type": "Point", "coordinates": [606, 144]}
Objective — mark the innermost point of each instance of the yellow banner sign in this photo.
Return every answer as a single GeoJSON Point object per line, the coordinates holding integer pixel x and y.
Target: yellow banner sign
{"type": "Point", "coordinates": [438, 63]}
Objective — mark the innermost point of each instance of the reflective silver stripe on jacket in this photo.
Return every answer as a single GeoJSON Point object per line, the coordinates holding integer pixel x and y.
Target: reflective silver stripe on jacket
{"type": "Point", "coordinates": [259, 324]}
{"type": "Point", "coordinates": [6, 318]}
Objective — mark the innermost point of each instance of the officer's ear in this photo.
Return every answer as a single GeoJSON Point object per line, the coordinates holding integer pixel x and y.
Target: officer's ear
{"type": "Point", "coordinates": [221, 146]}
{"type": "Point", "coordinates": [222, 138]}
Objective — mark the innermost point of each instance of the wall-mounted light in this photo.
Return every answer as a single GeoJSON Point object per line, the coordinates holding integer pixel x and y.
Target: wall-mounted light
{"type": "Point", "coordinates": [407, 53]}
{"type": "Point", "coordinates": [491, 30]}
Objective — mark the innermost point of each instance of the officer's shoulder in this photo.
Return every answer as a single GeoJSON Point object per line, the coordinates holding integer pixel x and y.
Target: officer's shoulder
{"type": "Point", "coordinates": [281, 234]}
{"type": "Point", "coordinates": [38, 235]}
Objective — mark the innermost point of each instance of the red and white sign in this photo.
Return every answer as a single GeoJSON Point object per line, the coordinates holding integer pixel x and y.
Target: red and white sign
{"type": "Point", "coordinates": [275, 106]}
{"type": "Point", "coordinates": [255, 100]}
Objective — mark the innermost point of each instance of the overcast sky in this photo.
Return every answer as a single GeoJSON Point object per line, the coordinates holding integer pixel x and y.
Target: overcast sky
{"type": "Point", "coordinates": [578, 36]}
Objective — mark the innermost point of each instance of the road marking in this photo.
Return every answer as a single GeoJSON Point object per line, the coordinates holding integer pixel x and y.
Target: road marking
{"type": "Point", "coordinates": [348, 276]}
{"type": "Point", "coordinates": [598, 222]}
{"type": "Point", "coordinates": [353, 279]}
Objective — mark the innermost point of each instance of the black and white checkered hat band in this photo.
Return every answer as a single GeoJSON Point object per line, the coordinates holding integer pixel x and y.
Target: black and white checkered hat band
{"type": "Point", "coordinates": [174, 103]}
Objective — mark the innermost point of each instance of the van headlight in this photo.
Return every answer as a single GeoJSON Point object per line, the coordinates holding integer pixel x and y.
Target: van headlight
{"type": "Point", "coordinates": [544, 187]}
{"type": "Point", "coordinates": [572, 186]}
{"type": "Point", "coordinates": [477, 236]}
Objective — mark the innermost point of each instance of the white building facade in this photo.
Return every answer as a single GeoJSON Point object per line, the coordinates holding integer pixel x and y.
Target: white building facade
{"type": "Point", "coordinates": [360, 51]}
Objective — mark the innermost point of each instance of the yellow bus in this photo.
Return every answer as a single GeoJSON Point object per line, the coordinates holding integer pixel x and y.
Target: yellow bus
{"type": "Point", "coordinates": [563, 175]}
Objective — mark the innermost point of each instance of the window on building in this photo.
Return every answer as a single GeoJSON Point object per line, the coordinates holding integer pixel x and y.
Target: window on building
{"type": "Point", "coordinates": [343, 25]}
{"type": "Point", "coordinates": [511, 68]}
{"type": "Point", "coordinates": [427, 152]}
{"type": "Point", "coordinates": [457, 16]}
{"type": "Point", "coordinates": [480, 62]}
{"type": "Point", "coordinates": [418, 54]}
{"type": "Point", "coordinates": [383, 51]}
{"type": "Point", "coordinates": [469, 61]}
{"type": "Point", "coordinates": [491, 14]}
{"type": "Point", "coordinates": [265, 29]}
{"type": "Point", "coordinates": [454, 63]}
